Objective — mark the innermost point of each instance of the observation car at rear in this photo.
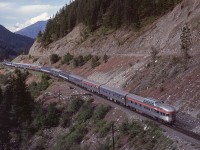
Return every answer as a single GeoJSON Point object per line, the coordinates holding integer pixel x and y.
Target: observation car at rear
{"type": "Point", "coordinates": [55, 71]}
{"type": "Point", "coordinates": [45, 69]}
{"type": "Point", "coordinates": [64, 75]}
{"type": "Point", "coordinates": [7, 63]}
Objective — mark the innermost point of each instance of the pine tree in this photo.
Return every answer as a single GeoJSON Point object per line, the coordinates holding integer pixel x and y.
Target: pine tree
{"type": "Point", "coordinates": [185, 44]}
{"type": "Point", "coordinates": [6, 122]}
{"type": "Point", "coordinates": [1, 95]}
{"type": "Point", "coordinates": [23, 102]}
{"type": "Point", "coordinates": [5, 126]}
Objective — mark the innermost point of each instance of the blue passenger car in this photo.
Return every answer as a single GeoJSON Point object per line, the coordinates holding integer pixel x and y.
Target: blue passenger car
{"type": "Point", "coordinates": [75, 79]}
{"type": "Point", "coordinates": [64, 75]}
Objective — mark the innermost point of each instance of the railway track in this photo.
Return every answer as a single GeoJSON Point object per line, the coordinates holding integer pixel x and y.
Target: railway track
{"type": "Point", "coordinates": [175, 127]}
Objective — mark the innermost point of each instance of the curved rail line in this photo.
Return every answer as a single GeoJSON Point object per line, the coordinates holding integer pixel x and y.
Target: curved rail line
{"type": "Point", "coordinates": [173, 127]}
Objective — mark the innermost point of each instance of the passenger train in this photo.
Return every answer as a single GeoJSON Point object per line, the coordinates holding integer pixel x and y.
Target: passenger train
{"type": "Point", "coordinates": [148, 106]}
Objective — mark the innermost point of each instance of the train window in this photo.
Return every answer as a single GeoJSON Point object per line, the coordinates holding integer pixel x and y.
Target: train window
{"type": "Point", "coordinates": [167, 114]}
{"type": "Point", "coordinates": [140, 105]}
{"type": "Point", "coordinates": [135, 103]}
{"type": "Point", "coordinates": [157, 112]}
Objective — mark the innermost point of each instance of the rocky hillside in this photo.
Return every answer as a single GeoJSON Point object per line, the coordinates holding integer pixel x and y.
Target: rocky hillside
{"type": "Point", "coordinates": [130, 65]}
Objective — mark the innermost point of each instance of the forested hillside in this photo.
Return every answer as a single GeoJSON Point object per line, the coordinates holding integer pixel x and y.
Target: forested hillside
{"type": "Point", "coordinates": [97, 13]}
{"type": "Point", "coordinates": [12, 44]}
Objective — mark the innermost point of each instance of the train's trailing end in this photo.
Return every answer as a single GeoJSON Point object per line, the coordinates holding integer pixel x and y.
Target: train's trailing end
{"type": "Point", "coordinates": [64, 75]}
{"type": "Point", "coordinates": [148, 106]}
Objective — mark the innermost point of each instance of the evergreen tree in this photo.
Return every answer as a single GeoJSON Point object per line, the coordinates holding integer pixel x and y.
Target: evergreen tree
{"type": "Point", "coordinates": [97, 13]}
{"type": "Point", "coordinates": [6, 122]}
{"type": "Point", "coordinates": [5, 127]}
{"type": "Point", "coordinates": [1, 95]}
{"type": "Point", "coordinates": [23, 102]}
{"type": "Point", "coordinates": [185, 43]}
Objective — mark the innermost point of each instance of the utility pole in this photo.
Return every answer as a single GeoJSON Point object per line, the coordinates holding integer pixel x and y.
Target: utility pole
{"type": "Point", "coordinates": [113, 140]}
{"type": "Point", "coordinates": [59, 95]}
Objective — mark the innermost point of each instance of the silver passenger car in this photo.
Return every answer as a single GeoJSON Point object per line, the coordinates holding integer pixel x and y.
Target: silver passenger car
{"type": "Point", "coordinates": [151, 107]}
{"type": "Point", "coordinates": [113, 94]}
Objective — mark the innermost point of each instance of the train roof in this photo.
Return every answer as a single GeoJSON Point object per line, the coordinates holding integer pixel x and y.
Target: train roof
{"type": "Point", "coordinates": [64, 72]}
{"type": "Point", "coordinates": [54, 69]}
{"type": "Point", "coordinates": [135, 97]}
{"type": "Point", "coordinates": [167, 108]}
{"type": "Point", "coordinates": [114, 90]}
{"type": "Point", "coordinates": [92, 82]}
{"type": "Point", "coordinates": [76, 76]}
{"type": "Point", "coordinates": [46, 68]}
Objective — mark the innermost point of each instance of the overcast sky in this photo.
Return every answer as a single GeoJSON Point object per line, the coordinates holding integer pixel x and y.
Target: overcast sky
{"type": "Point", "coordinates": [17, 14]}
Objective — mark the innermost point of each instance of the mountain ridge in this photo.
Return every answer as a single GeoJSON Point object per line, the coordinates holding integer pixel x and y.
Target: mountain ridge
{"type": "Point", "coordinates": [12, 44]}
{"type": "Point", "coordinates": [33, 30]}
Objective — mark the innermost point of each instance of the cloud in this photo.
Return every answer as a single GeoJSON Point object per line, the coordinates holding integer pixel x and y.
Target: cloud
{"type": "Point", "coordinates": [18, 26]}
{"type": "Point", "coordinates": [30, 9]}
{"type": "Point", "coordinates": [18, 14]}
{"type": "Point", "coordinates": [43, 16]}
{"type": "Point", "coordinates": [4, 5]}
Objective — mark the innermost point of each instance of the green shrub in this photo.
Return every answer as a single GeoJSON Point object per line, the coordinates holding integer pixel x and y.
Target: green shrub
{"type": "Point", "coordinates": [87, 58]}
{"type": "Point", "coordinates": [36, 88]}
{"type": "Point", "coordinates": [124, 127]}
{"type": "Point", "coordinates": [72, 139]}
{"type": "Point", "coordinates": [78, 61]}
{"type": "Point", "coordinates": [45, 118]}
{"type": "Point", "coordinates": [131, 128]}
{"type": "Point", "coordinates": [39, 119]}
{"type": "Point", "coordinates": [65, 119]}
{"type": "Point", "coordinates": [3, 79]}
{"type": "Point", "coordinates": [95, 61]}
{"type": "Point", "coordinates": [67, 58]}
{"type": "Point", "coordinates": [75, 104]}
{"type": "Point", "coordinates": [68, 141]}
{"type": "Point", "coordinates": [100, 112]}
{"type": "Point", "coordinates": [84, 114]}
{"type": "Point", "coordinates": [103, 145]}
{"type": "Point", "coordinates": [105, 58]}
{"type": "Point", "coordinates": [54, 58]}
{"type": "Point", "coordinates": [52, 116]}
{"type": "Point", "coordinates": [104, 129]}
{"type": "Point", "coordinates": [45, 77]}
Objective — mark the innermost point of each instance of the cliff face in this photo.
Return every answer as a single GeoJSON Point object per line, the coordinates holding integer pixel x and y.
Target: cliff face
{"type": "Point", "coordinates": [129, 51]}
